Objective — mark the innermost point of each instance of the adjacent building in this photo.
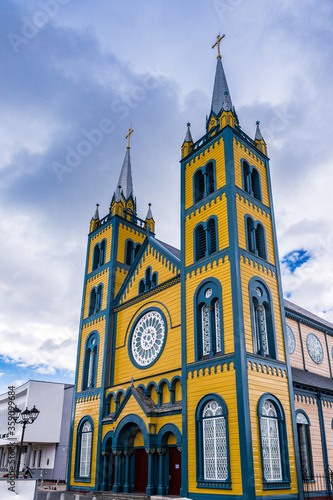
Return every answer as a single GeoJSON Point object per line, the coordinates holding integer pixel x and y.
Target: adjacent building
{"type": "Point", "coordinates": [45, 445]}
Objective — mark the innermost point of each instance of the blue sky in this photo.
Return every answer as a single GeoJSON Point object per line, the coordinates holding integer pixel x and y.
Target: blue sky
{"type": "Point", "coordinates": [76, 69]}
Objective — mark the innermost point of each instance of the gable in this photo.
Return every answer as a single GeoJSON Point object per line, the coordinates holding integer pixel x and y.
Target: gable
{"type": "Point", "coordinates": [157, 259]}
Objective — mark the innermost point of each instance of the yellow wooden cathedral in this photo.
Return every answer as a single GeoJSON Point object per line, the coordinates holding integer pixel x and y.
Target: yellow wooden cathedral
{"type": "Point", "coordinates": [183, 381]}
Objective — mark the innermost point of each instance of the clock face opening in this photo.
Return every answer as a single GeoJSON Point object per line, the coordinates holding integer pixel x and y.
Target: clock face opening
{"type": "Point", "coordinates": [147, 339]}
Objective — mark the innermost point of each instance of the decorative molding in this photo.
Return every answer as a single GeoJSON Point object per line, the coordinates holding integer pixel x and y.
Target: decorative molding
{"type": "Point", "coordinates": [201, 205]}
{"type": "Point", "coordinates": [98, 317]}
{"type": "Point", "coordinates": [307, 322]}
{"type": "Point", "coordinates": [211, 365]}
{"type": "Point", "coordinates": [266, 365]}
{"type": "Point", "coordinates": [252, 202]}
{"type": "Point", "coordinates": [203, 264]}
{"type": "Point", "coordinates": [256, 262]}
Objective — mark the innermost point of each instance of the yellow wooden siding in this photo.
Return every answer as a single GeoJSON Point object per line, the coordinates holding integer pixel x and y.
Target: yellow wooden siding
{"type": "Point", "coordinates": [323, 368]}
{"type": "Point", "coordinates": [214, 153]}
{"type": "Point", "coordinates": [223, 384]}
{"type": "Point", "coordinates": [247, 272]}
{"type": "Point", "coordinates": [101, 278]}
{"type": "Point", "coordinates": [105, 233]}
{"type": "Point", "coordinates": [86, 331]}
{"type": "Point", "coordinates": [127, 232]}
{"type": "Point", "coordinates": [243, 209]}
{"type": "Point", "coordinates": [168, 301]}
{"type": "Point", "coordinates": [178, 391]}
{"type": "Point", "coordinates": [296, 358]}
{"type": "Point", "coordinates": [215, 207]}
{"type": "Point", "coordinates": [138, 441]}
{"type": "Point", "coordinates": [311, 409]}
{"type": "Point", "coordinates": [220, 272]}
{"type": "Point", "coordinates": [259, 384]}
{"type": "Point", "coordinates": [120, 275]}
{"type": "Point", "coordinates": [239, 153]}
{"type": "Point", "coordinates": [87, 408]}
{"type": "Point", "coordinates": [165, 271]}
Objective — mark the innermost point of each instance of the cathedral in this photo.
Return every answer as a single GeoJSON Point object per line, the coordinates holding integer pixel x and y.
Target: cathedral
{"type": "Point", "coordinates": [194, 377]}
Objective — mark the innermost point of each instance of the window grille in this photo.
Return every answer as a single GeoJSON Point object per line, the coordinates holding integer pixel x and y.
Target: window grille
{"type": "Point", "coordinates": [214, 442]}
{"type": "Point", "coordinates": [270, 442]}
{"type": "Point", "coordinates": [85, 451]}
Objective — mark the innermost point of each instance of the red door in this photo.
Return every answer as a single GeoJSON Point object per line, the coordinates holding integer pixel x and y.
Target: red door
{"type": "Point", "coordinates": [175, 471]}
{"type": "Point", "coordinates": [141, 471]}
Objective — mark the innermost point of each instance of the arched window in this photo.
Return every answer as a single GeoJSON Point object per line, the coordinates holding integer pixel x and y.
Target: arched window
{"type": "Point", "coordinates": [96, 257]}
{"type": "Point", "coordinates": [260, 241]}
{"type": "Point", "coordinates": [251, 180]}
{"type": "Point", "coordinates": [209, 337]}
{"type": "Point", "coordinates": [213, 463]}
{"type": "Point", "coordinates": [204, 182]}
{"type": "Point", "coordinates": [136, 250]}
{"type": "Point", "coordinates": [211, 233]}
{"type": "Point", "coordinates": [129, 252]}
{"type": "Point", "coordinates": [92, 302]}
{"type": "Point", "coordinates": [90, 363]}
{"type": "Point", "coordinates": [255, 236]}
{"type": "Point", "coordinates": [154, 280]}
{"type": "Point", "coordinates": [264, 342]}
{"type": "Point", "coordinates": [147, 278]}
{"type": "Point", "coordinates": [273, 440]}
{"type": "Point", "coordinates": [149, 282]}
{"type": "Point", "coordinates": [304, 442]}
{"type": "Point", "coordinates": [141, 286]}
{"type": "Point", "coordinates": [84, 449]}
{"type": "Point", "coordinates": [205, 239]}
{"type": "Point", "coordinates": [199, 186]}
{"type": "Point", "coordinates": [95, 302]}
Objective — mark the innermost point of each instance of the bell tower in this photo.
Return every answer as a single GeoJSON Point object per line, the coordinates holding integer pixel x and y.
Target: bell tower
{"type": "Point", "coordinates": [236, 390]}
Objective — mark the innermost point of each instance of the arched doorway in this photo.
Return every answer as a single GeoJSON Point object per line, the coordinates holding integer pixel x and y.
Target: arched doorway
{"type": "Point", "coordinates": [108, 465]}
{"type": "Point", "coordinates": [169, 470]}
{"type": "Point", "coordinates": [140, 465]}
{"type": "Point", "coordinates": [175, 471]}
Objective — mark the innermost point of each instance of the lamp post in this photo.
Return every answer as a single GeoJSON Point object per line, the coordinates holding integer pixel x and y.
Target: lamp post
{"type": "Point", "coordinates": [27, 417]}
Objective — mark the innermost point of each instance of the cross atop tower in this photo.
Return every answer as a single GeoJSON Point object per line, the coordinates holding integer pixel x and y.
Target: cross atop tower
{"type": "Point", "coordinates": [130, 131]}
{"type": "Point", "coordinates": [218, 41]}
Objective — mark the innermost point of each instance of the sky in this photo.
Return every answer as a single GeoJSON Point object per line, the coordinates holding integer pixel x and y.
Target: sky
{"type": "Point", "coordinates": [76, 74]}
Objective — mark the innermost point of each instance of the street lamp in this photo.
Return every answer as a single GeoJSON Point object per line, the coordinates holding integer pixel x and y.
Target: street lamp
{"type": "Point", "coordinates": [27, 417]}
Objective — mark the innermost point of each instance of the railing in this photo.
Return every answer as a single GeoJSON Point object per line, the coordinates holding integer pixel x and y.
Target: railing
{"type": "Point", "coordinates": [216, 130]}
{"type": "Point", "coordinates": [127, 215]}
{"type": "Point", "coordinates": [318, 486]}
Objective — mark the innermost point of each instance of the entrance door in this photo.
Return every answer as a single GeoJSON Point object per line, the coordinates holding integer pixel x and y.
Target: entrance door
{"type": "Point", "coordinates": [175, 471]}
{"type": "Point", "coordinates": [141, 471]}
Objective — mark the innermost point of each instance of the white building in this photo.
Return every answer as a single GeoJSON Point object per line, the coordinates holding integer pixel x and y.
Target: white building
{"type": "Point", "coordinates": [45, 445]}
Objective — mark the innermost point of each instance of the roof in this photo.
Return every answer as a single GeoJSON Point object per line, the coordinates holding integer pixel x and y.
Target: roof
{"type": "Point", "coordinates": [221, 96]}
{"type": "Point", "coordinates": [125, 178]}
{"type": "Point", "coordinates": [258, 136]}
{"type": "Point", "coordinates": [188, 136]}
{"type": "Point", "coordinates": [293, 308]}
{"type": "Point", "coordinates": [171, 249]}
{"type": "Point", "coordinates": [303, 377]}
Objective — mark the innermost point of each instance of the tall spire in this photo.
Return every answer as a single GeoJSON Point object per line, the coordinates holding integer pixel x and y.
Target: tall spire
{"type": "Point", "coordinates": [125, 179]}
{"type": "Point", "coordinates": [221, 96]}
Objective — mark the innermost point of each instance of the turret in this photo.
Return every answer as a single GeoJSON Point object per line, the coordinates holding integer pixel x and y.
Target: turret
{"type": "Point", "coordinates": [149, 221]}
{"type": "Point", "coordinates": [94, 223]}
{"type": "Point", "coordinates": [188, 142]}
{"type": "Point", "coordinates": [259, 140]}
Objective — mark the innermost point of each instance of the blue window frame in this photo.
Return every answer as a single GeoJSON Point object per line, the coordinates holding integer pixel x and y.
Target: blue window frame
{"type": "Point", "coordinates": [90, 362]}
{"type": "Point", "coordinates": [212, 439]}
{"type": "Point", "coordinates": [263, 332]}
{"type": "Point", "coordinates": [206, 240]}
{"type": "Point", "coordinates": [208, 320]}
{"type": "Point", "coordinates": [150, 281]}
{"type": "Point", "coordinates": [273, 443]}
{"type": "Point", "coordinates": [99, 255]}
{"type": "Point", "coordinates": [255, 237]}
{"type": "Point", "coordinates": [251, 180]}
{"type": "Point", "coordinates": [131, 251]}
{"type": "Point", "coordinates": [95, 302]}
{"type": "Point", "coordinates": [84, 444]}
{"type": "Point", "coordinates": [204, 182]}
{"type": "Point", "coordinates": [304, 442]}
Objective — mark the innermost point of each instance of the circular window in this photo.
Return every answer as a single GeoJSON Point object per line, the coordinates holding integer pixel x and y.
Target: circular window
{"type": "Point", "coordinates": [291, 340]}
{"type": "Point", "coordinates": [147, 339]}
{"type": "Point", "coordinates": [208, 293]}
{"type": "Point", "coordinates": [315, 349]}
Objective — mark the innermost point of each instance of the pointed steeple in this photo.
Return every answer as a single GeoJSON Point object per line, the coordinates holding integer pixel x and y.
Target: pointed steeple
{"type": "Point", "coordinates": [149, 222]}
{"type": "Point", "coordinates": [125, 179]}
{"type": "Point", "coordinates": [259, 140]}
{"type": "Point", "coordinates": [221, 95]}
{"type": "Point", "coordinates": [94, 223]}
{"type": "Point", "coordinates": [188, 142]}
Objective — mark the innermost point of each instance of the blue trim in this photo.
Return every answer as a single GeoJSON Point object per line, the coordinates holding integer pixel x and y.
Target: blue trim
{"type": "Point", "coordinates": [85, 368]}
{"type": "Point", "coordinates": [283, 438]}
{"type": "Point", "coordinates": [127, 421]}
{"type": "Point", "coordinates": [148, 309]}
{"type": "Point", "coordinates": [211, 198]}
{"type": "Point", "coordinates": [163, 435]}
{"type": "Point", "coordinates": [328, 355]}
{"type": "Point", "coordinates": [254, 282]}
{"type": "Point", "coordinates": [204, 225]}
{"type": "Point", "coordinates": [78, 448]}
{"type": "Point", "coordinates": [257, 205]}
{"type": "Point", "coordinates": [255, 251]}
{"type": "Point", "coordinates": [322, 432]}
{"type": "Point", "coordinates": [200, 299]}
{"type": "Point", "coordinates": [108, 435]}
{"type": "Point", "coordinates": [207, 261]}
{"type": "Point", "coordinates": [251, 169]}
{"type": "Point", "coordinates": [98, 271]}
{"type": "Point", "coordinates": [201, 481]}
{"type": "Point", "coordinates": [243, 403]}
{"type": "Point", "coordinates": [204, 173]}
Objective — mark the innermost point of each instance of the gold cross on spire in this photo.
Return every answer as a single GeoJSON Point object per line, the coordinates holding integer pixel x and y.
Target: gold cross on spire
{"type": "Point", "coordinates": [218, 41]}
{"type": "Point", "coordinates": [130, 131]}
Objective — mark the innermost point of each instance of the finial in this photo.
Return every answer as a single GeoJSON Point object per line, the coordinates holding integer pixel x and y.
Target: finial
{"type": "Point", "coordinates": [130, 131]}
{"type": "Point", "coordinates": [218, 41]}
{"type": "Point", "coordinates": [257, 123]}
{"type": "Point", "coordinates": [188, 124]}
